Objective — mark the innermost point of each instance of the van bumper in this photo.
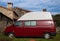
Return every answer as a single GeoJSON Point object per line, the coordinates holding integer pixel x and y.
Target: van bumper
{"type": "Point", "coordinates": [53, 33]}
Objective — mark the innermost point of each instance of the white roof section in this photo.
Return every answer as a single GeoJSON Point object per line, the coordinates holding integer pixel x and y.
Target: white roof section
{"type": "Point", "coordinates": [36, 16]}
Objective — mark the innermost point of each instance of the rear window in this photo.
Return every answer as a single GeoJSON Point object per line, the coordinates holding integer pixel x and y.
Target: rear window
{"type": "Point", "coordinates": [45, 23]}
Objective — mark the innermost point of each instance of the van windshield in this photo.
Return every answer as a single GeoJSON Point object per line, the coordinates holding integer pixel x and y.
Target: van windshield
{"type": "Point", "coordinates": [18, 23]}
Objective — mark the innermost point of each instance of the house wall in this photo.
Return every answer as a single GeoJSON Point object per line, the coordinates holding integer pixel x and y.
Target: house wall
{"type": "Point", "coordinates": [4, 22]}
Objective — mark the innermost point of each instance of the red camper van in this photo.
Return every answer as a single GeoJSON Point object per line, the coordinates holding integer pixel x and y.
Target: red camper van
{"type": "Point", "coordinates": [33, 24]}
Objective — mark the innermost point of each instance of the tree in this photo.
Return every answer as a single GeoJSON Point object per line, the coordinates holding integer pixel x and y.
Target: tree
{"type": "Point", "coordinates": [56, 18]}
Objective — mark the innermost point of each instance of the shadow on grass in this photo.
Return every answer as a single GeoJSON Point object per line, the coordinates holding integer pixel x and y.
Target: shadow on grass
{"type": "Point", "coordinates": [6, 38]}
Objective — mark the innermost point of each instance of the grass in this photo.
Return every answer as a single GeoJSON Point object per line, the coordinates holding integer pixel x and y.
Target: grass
{"type": "Point", "coordinates": [5, 38]}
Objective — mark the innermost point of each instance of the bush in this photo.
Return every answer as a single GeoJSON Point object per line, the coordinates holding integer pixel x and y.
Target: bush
{"type": "Point", "coordinates": [58, 23]}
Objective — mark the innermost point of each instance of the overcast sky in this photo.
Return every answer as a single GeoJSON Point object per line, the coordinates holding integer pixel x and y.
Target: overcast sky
{"type": "Point", "coordinates": [35, 5]}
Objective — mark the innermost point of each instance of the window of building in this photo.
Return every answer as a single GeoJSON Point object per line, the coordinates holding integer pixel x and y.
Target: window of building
{"type": "Point", "coordinates": [30, 23]}
{"type": "Point", "coordinates": [18, 23]}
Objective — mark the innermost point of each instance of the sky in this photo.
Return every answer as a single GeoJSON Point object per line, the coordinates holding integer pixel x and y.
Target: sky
{"type": "Point", "coordinates": [35, 5]}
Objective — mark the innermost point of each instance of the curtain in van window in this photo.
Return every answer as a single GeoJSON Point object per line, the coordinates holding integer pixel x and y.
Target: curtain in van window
{"type": "Point", "coordinates": [30, 23]}
{"type": "Point", "coordinates": [33, 23]}
{"type": "Point", "coordinates": [27, 23]}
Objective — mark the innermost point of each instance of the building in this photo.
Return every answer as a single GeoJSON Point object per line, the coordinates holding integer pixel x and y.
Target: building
{"type": "Point", "coordinates": [9, 15]}
{"type": "Point", "coordinates": [20, 11]}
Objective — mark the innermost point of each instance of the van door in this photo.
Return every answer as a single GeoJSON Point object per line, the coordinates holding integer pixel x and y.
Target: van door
{"type": "Point", "coordinates": [18, 28]}
{"type": "Point", "coordinates": [30, 28]}
{"type": "Point", "coordinates": [44, 26]}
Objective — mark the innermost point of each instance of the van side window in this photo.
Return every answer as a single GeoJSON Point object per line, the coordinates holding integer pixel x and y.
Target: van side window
{"type": "Point", "coordinates": [27, 23]}
{"type": "Point", "coordinates": [30, 23]}
{"type": "Point", "coordinates": [33, 23]}
{"type": "Point", "coordinates": [18, 23]}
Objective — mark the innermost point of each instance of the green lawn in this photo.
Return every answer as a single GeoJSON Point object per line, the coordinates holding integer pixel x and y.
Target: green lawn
{"type": "Point", "coordinates": [5, 38]}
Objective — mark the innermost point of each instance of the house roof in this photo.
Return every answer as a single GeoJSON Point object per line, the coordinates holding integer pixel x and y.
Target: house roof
{"type": "Point", "coordinates": [9, 14]}
{"type": "Point", "coordinates": [36, 16]}
{"type": "Point", "coordinates": [11, 10]}
{"type": "Point", "coordinates": [6, 8]}
{"type": "Point", "coordinates": [23, 9]}
{"type": "Point", "coordinates": [20, 11]}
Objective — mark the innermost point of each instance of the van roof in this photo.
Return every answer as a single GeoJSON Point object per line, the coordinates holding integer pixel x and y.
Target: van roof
{"type": "Point", "coordinates": [36, 16]}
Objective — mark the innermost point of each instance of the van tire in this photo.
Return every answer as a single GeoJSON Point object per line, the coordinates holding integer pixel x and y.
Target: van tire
{"type": "Point", "coordinates": [47, 36]}
{"type": "Point", "coordinates": [11, 35]}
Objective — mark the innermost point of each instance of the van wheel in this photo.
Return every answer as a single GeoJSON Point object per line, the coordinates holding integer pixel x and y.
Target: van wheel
{"type": "Point", "coordinates": [11, 35]}
{"type": "Point", "coordinates": [46, 35]}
